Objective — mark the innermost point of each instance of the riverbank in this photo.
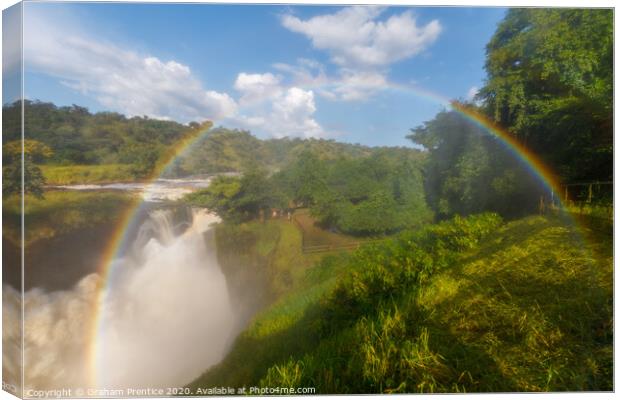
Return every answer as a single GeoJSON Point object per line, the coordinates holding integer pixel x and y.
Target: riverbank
{"type": "Point", "coordinates": [61, 212]}
{"type": "Point", "coordinates": [87, 174]}
{"type": "Point", "coordinates": [64, 234]}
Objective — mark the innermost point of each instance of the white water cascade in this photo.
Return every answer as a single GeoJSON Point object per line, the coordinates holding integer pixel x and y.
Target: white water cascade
{"type": "Point", "coordinates": [166, 316]}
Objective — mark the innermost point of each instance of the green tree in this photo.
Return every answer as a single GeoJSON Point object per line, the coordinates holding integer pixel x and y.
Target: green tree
{"type": "Point", "coordinates": [550, 82]}
{"type": "Point", "coordinates": [219, 197]}
{"type": "Point", "coordinates": [468, 170]}
{"type": "Point", "coordinates": [142, 157]}
{"type": "Point", "coordinates": [382, 193]}
{"type": "Point", "coordinates": [240, 198]}
{"type": "Point", "coordinates": [304, 179]}
{"type": "Point", "coordinates": [33, 179]}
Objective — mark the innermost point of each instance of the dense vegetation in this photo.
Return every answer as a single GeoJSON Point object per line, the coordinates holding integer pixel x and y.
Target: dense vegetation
{"type": "Point", "coordinates": [469, 304]}
{"type": "Point", "coordinates": [78, 137]}
{"type": "Point", "coordinates": [225, 150]}
{"type": "Point", "coordinates": [550, 84]}
{"type": "Point", "coordinates": [469, 171]}
{"type": "Point", "coordinates": [377, 194]}
{"type": "Point", "coordinates": [466, 305]}
{"type": "Point", "coordinates": [33, 179]}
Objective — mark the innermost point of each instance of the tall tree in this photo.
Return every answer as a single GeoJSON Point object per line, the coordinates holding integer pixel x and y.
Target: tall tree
{"type": "Point", "coordinates": [469, 171]}
{"type": "Point", "coordinates": [550, 82]}
{"type": "Point", "coordinates": [33, 180]}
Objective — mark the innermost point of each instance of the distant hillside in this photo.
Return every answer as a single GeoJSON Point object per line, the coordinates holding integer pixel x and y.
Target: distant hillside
{"type": "Point", "coordinates": [233, 150]}
{"type": "Point", "coordinates": [79, 137]}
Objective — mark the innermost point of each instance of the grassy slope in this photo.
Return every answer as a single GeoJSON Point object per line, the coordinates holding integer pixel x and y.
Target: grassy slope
{"type": "Point", "coordinates": [529, 309]}
{"type": "Point", "coordinates": [265, 253]}
{"type": "Point", "coordinates": [60, 212]}
{"type": "Point", "coordinates": [316, 236]}
{"type": "Point", "coordinates": [84, 174]}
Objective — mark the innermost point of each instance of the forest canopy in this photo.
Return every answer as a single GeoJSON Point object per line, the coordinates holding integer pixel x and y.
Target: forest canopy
{"type": "Point", "coordinates": [550, 84]}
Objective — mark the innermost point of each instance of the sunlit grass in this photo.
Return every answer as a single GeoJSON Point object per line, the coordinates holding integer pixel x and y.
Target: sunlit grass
{"type": "Point", "coordinates": [528, 308]}
{"type": "Point", "coordinates": [76, 174]}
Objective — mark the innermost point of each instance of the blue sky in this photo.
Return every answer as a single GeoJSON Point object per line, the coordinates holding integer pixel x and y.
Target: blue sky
{"type": "Point", "coordinates": [354, 74]}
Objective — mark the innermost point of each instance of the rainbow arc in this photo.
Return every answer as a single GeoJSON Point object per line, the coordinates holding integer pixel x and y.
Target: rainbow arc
{"type": "Point", "coordinates": [106, 271]}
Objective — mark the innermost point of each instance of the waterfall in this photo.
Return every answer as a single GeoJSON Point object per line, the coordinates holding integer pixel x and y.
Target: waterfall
{"type": "Point", "coordinates": [165, 316]}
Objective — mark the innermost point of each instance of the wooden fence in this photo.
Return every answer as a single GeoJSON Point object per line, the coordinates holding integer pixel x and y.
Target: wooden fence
{"type": "Point", "coordinates": [589, 198]}
{"type": "Point", "coordinates": [329, 247]}
{"type": "Point", "coordinates": [324, 248]}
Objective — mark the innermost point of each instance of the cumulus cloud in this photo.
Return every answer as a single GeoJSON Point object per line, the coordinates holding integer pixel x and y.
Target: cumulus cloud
{"type": "Point", "coordinates": [292, 114]}
{"type": "Point", "coordinates": [276, 109]}
{"type": "Point", "coordinates": [347, 85]}
{"type": "Point", "coordinates": [362, 45]}
{"type": "Point", "coordinates": [256, 87]}
{"type": "Point", "coordinates": [121, 79]}
{"type": "Point", "coordinates": [356, 39]}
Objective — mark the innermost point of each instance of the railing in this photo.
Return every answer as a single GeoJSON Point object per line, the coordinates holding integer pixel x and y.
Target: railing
{"type": "Point", "coordinates": [324, 248]}
{"type": "Point", "coordinates": [589, 201]}
{"type": "Point", "coordinates": [589, 198]}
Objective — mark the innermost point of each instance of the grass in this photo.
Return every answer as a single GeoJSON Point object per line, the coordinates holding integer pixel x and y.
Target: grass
{"type": "Point", "coordinates": [86, 174]}
{"type": "Point", "coordinates": [61, 212]}
{"type": "Point", "coordinates": [268, 252]}
{"type": "Point", "coordinates": [316, 236]}
{"type": "Point", "coordinates": [526, 307]}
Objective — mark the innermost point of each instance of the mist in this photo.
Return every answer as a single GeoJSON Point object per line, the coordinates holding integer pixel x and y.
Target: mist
{"type": "Point", "coordinates": [166, 315]}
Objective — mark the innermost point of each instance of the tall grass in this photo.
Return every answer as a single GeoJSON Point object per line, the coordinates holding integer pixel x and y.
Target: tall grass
{"type": "Point", "coordinates": [84, 174]}
{"type": "Point", "coordinates": [470, 305]}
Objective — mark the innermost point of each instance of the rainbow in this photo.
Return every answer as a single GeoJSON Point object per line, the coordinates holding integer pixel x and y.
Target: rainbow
{"type": "Point", "coordinates": [529, 159]}
{"type": "Point", "coordinates": [127, 218]}
{"type": "Point", "coordinates": [119, 237]}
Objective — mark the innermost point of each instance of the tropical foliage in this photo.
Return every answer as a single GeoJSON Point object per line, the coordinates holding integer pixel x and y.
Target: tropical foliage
{"type": "Point", "coordinates": [550, 85]}
{"type": "Point", "coordinates": [550, 82]}
{"type": "Point", "coordinates": [467, 305]}
{"type": "Point", "coordinates": [20, 154]}
{"type": "Point", "coordinates": [381, 193]}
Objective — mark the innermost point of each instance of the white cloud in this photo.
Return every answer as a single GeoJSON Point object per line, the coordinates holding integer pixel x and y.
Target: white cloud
{"type": "Point", "coordinates": [280, 111]}
{"type": "Point", "coordinates": [359, 85]}
{"type": "Point", "coordinates": [120, 79]}
{"type": "Point", "coordinates": [362, 46]}
{"type": "Point", "coordinates": [292, 114]}
{"type": "Point", "coordinates": [272, 107]}
{"type": "Point", "coordinates": [305, 72]}
{"type": "Point", "coordinates": [256, 87]}
{"type": "Point", "coordinates": [350, 85]}
{"type": "Point", "coordinates": [355, 38]}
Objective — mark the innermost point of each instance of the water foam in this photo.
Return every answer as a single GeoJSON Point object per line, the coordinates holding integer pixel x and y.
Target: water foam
{"type": "Point", "coordinates": [166, 316]}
